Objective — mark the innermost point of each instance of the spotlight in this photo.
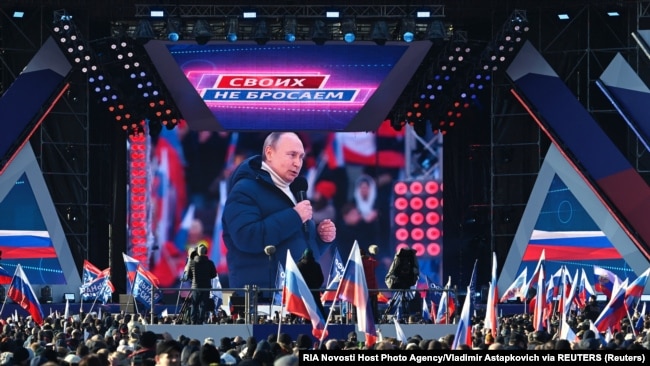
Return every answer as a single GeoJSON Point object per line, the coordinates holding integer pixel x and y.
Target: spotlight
{"type": "Point", "coordinates": [19, 14]}
{"type": "Point", "coordinates": [408, 29]}
{"type": "Point", "coordinates": [155, 13]}
{"type": "Point", "coordinates": [249, 14]}
{"type": "Point", "coordinates": [144, 32]}
{"type": "Point", "coordinates": [563, 16]}
{"type": "Point", "coordinates": [423, 14]}
{"type": "Point", "coordinates": [290, 24]}
{"type": "Point", "coordinates": [261, 35]}
{"type": "Point", "coordinates": [379, 33]}
{"type": "Point", "coordinates": [349, 29]}
{"type": "Point", "coordinates": [332, 14]}
{"type": "Point", "coordinates": [202, 33]}
{"type": "Point", "coordinates": [319, 32]}
{"type": "Point", "coordinates": [233, 27]}
{"type": "Point", "coordinates": [173, 29]}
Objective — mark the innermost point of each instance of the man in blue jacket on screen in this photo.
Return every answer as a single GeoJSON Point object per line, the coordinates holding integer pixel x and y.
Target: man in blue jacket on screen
{"type": "Point", "coordinates": [267, 206]}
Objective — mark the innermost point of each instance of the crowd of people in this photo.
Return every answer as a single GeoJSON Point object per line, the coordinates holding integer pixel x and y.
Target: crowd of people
{"type": "Point", "coordinates": [123, 340]}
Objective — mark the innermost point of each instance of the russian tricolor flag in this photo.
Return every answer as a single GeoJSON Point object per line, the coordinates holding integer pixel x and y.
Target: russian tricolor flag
{"type": "Point", "coordinates": [131, 265]}
{"type": "Point", "coordinates": [605, 280]}
{"type": "Point", "coordinates": [635, 289]}
{"type": "Point", "coordinates": [614, 311]}
{"type": "Point", "coordinates": [354, 289]}
{"type": "Point", "coordinates": [464, 330]}
{"type": "Point", "coordinates": [21, 292]}
{"type": "Point", "coordinates": [298, 299]}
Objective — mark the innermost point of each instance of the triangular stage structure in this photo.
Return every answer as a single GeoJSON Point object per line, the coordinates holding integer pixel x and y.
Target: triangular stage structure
{"type": "Point", "coordinates": [30, 231]}
{"type": "Point", "coordinates": [567, 219]}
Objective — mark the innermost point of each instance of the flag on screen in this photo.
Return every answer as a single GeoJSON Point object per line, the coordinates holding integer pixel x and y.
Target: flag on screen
{"type": "Point", "coordinates": [131, 265]}
{"type": "Point", "coordinates": [604, 280]}
{"type": "Point", "coordinates": [517, 288]}
{"type": "Point", "coordinates": [216, 295]}
{"type": "Point", "coordinates": [334, 151]}
{"type": "Point", "coordinates": [399, 332]}
{"type": "Point", "coordinates": [5, 277]}
{"type": "Point", "coordinates": [354, 289]}
{"type": "Point", "coordinates": [143, 284]}
{"type": "Point", "coordinates": [336, 272]}
{"type": "Point", "coordinates": [218, 248]}
{"type": "Point", "coordinates": [22, 293]}
{"type": "Point", "coordinates": [298, 299]}
{"type": "Point", "coordinates": [491, 322]}
{"type": "Point", "coordinates": [614, 311]}
{"type": "Point", "coordinates": [635, 289]}
{"type": "Point", "coordinates": [464, 330]}
{"type": "Point", "coordinates": [279, 283]}
{"type": "Point", "coordinates": [184, 229]}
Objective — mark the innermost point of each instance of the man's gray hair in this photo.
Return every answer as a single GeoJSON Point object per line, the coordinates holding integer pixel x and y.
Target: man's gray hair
{"type": "Point", "coordinates": [271, 140]}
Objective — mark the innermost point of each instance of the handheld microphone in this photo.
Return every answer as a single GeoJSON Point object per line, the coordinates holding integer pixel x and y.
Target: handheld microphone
{"type": "Point", "coordinates": [299, 188]}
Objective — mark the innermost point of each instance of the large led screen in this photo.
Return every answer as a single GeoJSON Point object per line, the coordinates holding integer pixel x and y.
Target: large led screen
{"type": "Point", "coordinates": [286, 87]}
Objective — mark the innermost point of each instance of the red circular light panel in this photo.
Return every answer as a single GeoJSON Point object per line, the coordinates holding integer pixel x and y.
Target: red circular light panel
{"type": "Point", "coordinates": [433, 249]}
{"type": "Point", "coordinates": [419, 249]}
{"type": "Point", "coordinates": [417, 218]}
{"type": "Point", "coordinates": [400, 188]}
{"type": "Point", "coordinates": [416, 187]}
{"type": "Point", "coordinates": [433, 233]}
{"type": "Point", "coordinates": [433, 218]}
{"type": "Point", "coordinates": [401, 203]}
{"type": "Point", "coordinates": [417, 234]}
{"type": "Point", "coordinates": [431, 203]}
{"type": "Point", "coordinates": [401, 219]}
{"type": "Point", "coordinates": [401, 234]}
{"type": "Point", "coordinates": [416, 203]}
{"type": "Point", "coordinates": [431, 187]}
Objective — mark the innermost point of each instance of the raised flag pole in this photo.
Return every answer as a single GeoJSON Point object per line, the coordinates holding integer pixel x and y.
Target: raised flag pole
{"type": "Point", "coordinates": [5, 300]}
{"type": "Point", "coordinates": [336, 297]}
{"type": "Point", "coordinates": [627, 312]}
{"type": "Point", "coordinates": [100, 294]}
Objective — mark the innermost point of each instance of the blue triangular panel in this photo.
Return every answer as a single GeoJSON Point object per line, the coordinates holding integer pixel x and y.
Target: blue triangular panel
{"type": "Point", "coordinates": [30, 231]}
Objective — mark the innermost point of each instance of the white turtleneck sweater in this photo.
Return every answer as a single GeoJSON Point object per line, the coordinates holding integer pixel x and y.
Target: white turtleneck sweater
{"type": "Point", "coordinates": [279, 182]}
